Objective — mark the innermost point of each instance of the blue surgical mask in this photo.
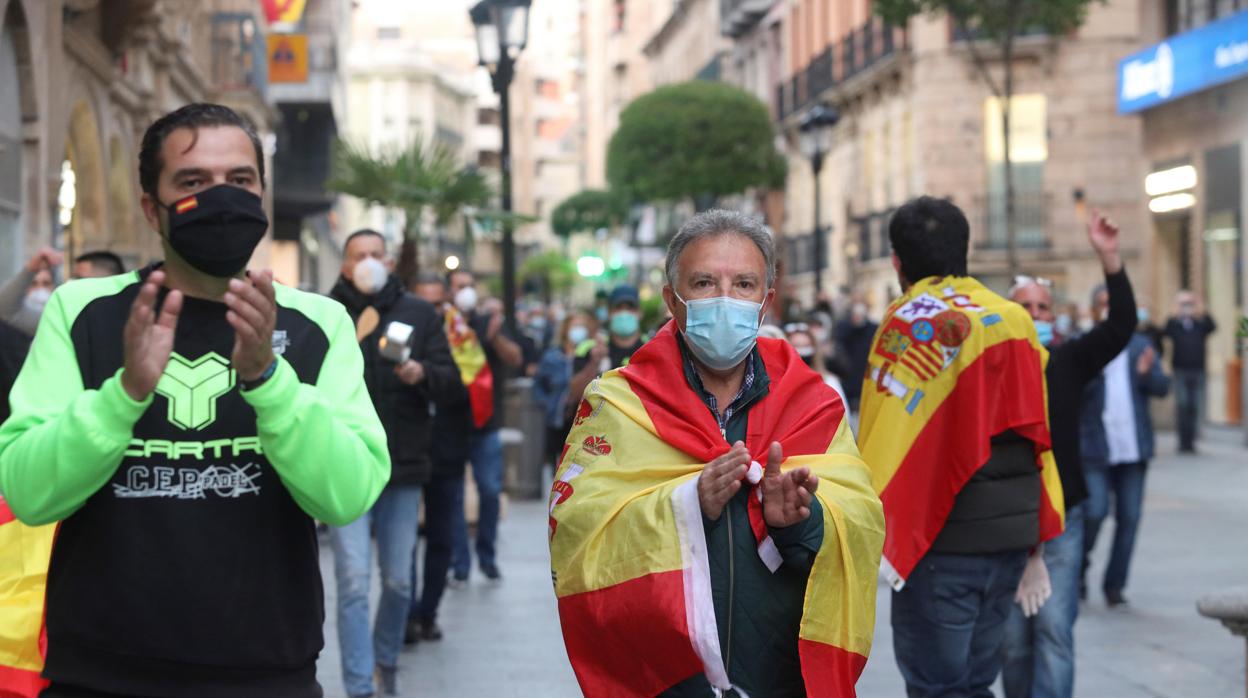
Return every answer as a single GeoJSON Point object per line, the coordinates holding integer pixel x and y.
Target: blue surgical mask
{"type": "Point", "coordinates": [578, 334]}
{"type": "Point", "coordinates": [1141, 314]}
{"type": "Point", "coordinates": [1064, 325]}
{"type": "Point", "coordinates": [1044, 331]}
{"type": "Point", "coordinates": [721, 331]}
{"type": "Point", "coordinates": [625, 324]}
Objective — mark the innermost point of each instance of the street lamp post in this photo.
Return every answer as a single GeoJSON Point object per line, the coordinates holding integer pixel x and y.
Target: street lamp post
{"type": "Point", "coordinates": [815, 133]}
{"type": "Point", "coordinates": [502, 32]}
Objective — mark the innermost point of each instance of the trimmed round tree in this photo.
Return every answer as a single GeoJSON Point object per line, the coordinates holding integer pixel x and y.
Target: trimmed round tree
{"type": "Point", "coordinates": [696, 140]}
{"type": "Point", "coordinates": [587, 211]}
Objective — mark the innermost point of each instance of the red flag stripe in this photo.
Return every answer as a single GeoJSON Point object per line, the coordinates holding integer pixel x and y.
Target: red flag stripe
{"type": "Point", "coordinates": [911, 529]}
{"type": "Point", "coordinates": [829, 670]}
{"type": "Point", "coordinates": [6, 514]}
{"type": "Point", "coordinates": [621, 640]}
{"type": "Point", "coordinates": [20, 683]}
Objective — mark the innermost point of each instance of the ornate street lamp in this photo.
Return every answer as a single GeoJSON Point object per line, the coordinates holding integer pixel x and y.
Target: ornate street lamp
{"type": "Point", "coordinates": [502, 32]}
{"type": "Point", "coordinates": [815, 136]}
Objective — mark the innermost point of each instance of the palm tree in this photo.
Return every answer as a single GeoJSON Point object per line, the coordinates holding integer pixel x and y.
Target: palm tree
{"type": "Point", "coordinates": [417, 179]}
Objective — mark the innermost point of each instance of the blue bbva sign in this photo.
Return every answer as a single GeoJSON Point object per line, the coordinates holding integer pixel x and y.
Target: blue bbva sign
{"type": "Point", "coordinates": [1183, 64]}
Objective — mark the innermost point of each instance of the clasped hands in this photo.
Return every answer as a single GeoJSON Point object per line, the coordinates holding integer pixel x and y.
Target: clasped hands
{"type": "Point", "coordinates": [786, 494]}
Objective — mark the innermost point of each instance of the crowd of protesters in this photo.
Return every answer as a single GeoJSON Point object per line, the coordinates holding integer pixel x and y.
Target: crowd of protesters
{"type": "Point", "coordinates": [969, 445]}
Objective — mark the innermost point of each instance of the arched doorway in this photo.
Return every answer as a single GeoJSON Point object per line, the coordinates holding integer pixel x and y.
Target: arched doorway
{"type": "Point", "coordinates": [123, 234]}
{"type": "Point", "coordinates": [82, 206]}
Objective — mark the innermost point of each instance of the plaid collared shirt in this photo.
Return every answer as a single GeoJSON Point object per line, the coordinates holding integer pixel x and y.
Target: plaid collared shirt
{"type": "Point", "coordinates": [737, 400]}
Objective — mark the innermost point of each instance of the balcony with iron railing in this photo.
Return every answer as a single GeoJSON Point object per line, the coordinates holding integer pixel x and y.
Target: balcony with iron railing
{"type": "Point", "coordinates": [1031, 209]}
{"type": "Point", "coordinates": [839, 63]}
{"type": "Point", "coordinates": [740, 16]}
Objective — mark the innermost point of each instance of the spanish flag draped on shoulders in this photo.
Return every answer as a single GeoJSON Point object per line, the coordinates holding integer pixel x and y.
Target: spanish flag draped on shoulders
{"type": "Point", "coordinates": [952, 365]}
{"type": "Point", "coordinates": [474, 369]}
{"type": "Point", "coordinates": [628, 548]}
{"type": "Point", "coordinates": [24, 555]}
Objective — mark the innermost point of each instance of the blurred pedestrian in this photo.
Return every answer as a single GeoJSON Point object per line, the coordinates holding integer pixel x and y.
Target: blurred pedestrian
{"type": "Point", "coordinates": [453, 424]}
{"type": "Point", "coordinates": [624, 325]}
{"type": "Point", "coordinates": [623, 339]}
{"type": "Point", "coordinates": [1116, 429]}
{"type": "Point", "coordinates": [23, 297]}
{"type": "Point", "coordinates": [1039, 653]}
{"type": "Point", "coordinates": [853, 345]}
{"type": "Point", "coordinates": [954, 428]}
{"type": "Point", "coordinates": [407, 368]}
{"type": "Point", "coordinates": [664, 471]}
{"type": "Point", "coordinates": [485, 451]}
{"type": "Point", "coordinates": [1148, 328]}
{"type": "Point", "coordinates": [550, 385]}
{"type": "Point", "coordinates": [186, 424]}
{"type": "Point", "coordinates": [1189, 329]}
{"type": "Point", "coordinates": [96, 264]}
{"type": "Point", "coordinates": [1066, 321]}
{"type": "Point", "coordinates": [808, 351]}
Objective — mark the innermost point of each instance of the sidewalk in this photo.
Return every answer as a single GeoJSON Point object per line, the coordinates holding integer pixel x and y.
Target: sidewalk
{"type": "Point", "coordinates": [505, 640]}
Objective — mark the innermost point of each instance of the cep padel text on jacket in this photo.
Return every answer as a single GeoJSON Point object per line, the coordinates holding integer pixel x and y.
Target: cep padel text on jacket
{"type": "Point", "coordinates": [186, 561]}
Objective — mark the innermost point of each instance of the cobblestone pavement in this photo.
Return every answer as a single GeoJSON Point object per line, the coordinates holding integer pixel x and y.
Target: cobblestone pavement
{"type": "Point", "coordinates": [504, 640]}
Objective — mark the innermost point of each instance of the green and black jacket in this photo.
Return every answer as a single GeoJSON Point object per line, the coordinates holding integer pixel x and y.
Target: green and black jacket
{"type": "Point", "coordinates": [186, 561]}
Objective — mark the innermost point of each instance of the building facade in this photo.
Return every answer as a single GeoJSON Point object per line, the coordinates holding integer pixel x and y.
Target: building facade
{"type": "Point", "coordinates": [1188, 91]}
{"type": "Point", "coordinates": [307, 230]}
{"type": "Point", "coordinates": [408, 83]}
{"type": "Point", "coordinates": [80, 81]}
{"type": "Point", "coordinates": [918, 119]}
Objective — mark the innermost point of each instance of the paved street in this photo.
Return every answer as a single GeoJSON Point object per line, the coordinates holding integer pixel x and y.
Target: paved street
{"type": "Point", "coordinates": [505, 640]}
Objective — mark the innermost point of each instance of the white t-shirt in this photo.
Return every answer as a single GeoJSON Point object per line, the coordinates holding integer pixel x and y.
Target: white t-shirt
{"type": "Point", "coordinates": [1119, 414]}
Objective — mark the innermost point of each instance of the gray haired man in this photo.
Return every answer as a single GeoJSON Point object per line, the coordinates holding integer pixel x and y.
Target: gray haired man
{"type": "Point", "coordinates": [699, 466]}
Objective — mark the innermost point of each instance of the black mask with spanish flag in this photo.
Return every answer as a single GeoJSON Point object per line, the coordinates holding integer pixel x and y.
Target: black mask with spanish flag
{"type": "Point", "coordinates": [217, 229]}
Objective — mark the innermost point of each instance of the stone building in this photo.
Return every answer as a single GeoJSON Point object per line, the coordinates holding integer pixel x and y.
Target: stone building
{"type": "Point", "coordinates": [403, 87]}
{"type": "Point", "coordinates": [80, 80]}
{"type": "Point", "coordinates": [918, 119]}
{"type": "Point", "coordinates": [1188, 91]}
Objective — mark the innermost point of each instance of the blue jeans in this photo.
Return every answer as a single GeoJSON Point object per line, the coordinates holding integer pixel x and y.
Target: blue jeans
{"type": "Point", "coordinates": [1189, 399]}
{"type": "Point", "coordinates": [949, 622]}
{"type": "Point", "coordinates": [393, 518]}
{"type": "Point", "coordinates": [485, 452]}
{"type": "Point", "coordinates": [1126, 482]}
{"type": "Point", "coordinates": [443, 496]}
{"type": "Point", "coordinates": [1039, 652]}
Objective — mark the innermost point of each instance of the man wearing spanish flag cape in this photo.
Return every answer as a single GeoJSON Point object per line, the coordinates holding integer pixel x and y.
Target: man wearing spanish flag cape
{"type": "Point", "coordinates": [955, 430]}
{"type": "Point", "coordinates": [712, 525]}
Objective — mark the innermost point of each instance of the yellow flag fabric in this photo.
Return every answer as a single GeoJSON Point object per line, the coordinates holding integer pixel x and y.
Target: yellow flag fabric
{"type": "Point", "coordinates": [24, 556]}
{"type": "Point", "coordinates": [474, 367]}
{"type": "Point", "coordinates": [952, 365]}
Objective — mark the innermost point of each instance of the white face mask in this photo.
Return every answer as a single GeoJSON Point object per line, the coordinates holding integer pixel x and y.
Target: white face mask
{"type": "Point", "coordinates": [369, 276]}
{"type": "Point", "coordinates": [466, 299]}
{"type": "Point", "coordinates": [36, 300]}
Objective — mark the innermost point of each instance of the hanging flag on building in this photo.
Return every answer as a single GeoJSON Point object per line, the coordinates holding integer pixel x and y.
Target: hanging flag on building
{"type": "Point", "coordinates": [288, 58]}
{"type": "Point", "coordinates": [284, 11]}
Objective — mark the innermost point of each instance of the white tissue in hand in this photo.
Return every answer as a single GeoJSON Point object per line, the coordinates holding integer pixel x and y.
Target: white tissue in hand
{"type": "Point", "coordinates": [755, 473]}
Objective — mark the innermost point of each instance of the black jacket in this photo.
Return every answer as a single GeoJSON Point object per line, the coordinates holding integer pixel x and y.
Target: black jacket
{"type": "Point", "coordinates": [406, 411]}
{"type": "Point", "coordinates": [1190, 337]}
{"type": "Point", "coordinates": [1073, 365]}
{"type": "Point", "coordinates": [853, 345]}
{"type": "Point", "coordinates": [13, 347]}
{"type": "Point", "coordinates": [452, 425]}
